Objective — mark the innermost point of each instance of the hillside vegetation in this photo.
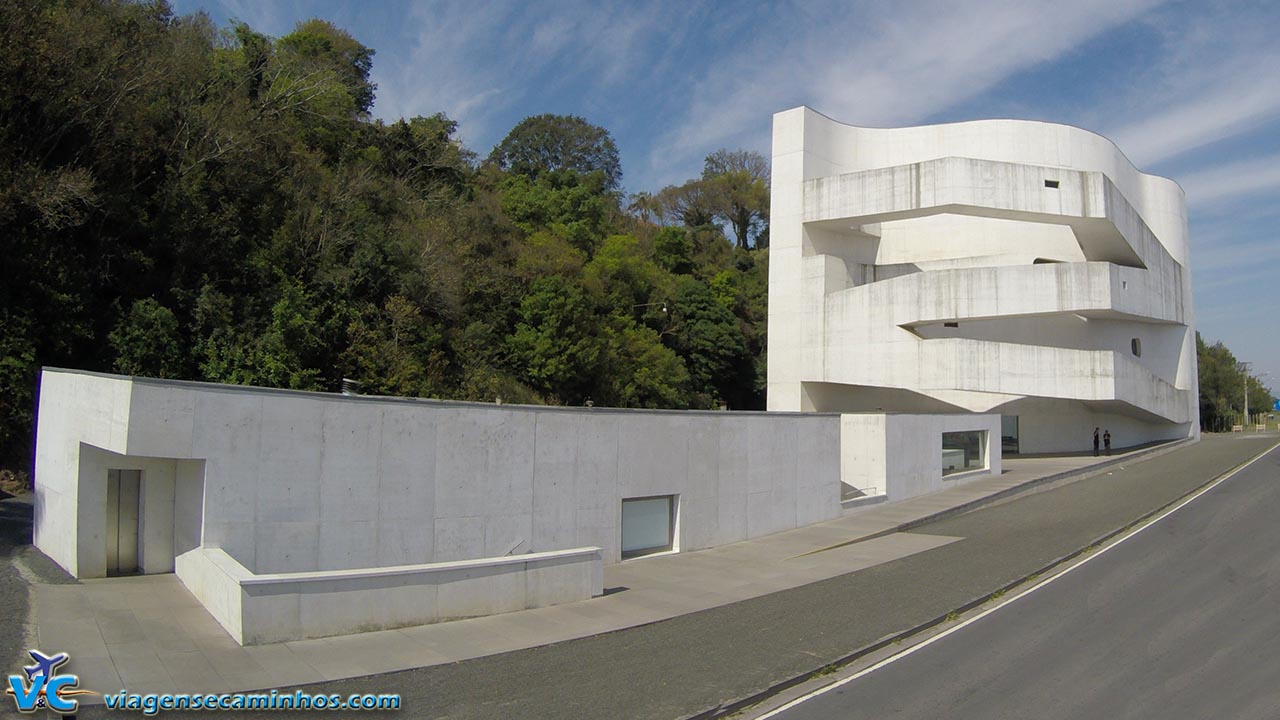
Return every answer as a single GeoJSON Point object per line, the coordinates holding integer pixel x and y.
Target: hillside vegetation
{"type": "Point", "coordinates": [183, 201]}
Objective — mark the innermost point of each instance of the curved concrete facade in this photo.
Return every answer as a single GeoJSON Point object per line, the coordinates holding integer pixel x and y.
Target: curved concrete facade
{"type": "Point", "coordinates": [1002, 266]}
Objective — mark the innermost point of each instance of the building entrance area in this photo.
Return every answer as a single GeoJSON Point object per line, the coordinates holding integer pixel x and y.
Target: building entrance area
{"type": "Point", "coordinates": [123, 501]}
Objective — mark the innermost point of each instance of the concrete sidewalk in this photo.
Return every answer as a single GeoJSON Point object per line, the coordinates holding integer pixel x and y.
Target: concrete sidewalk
{"type": "Point", "coordinates": [149, 634]}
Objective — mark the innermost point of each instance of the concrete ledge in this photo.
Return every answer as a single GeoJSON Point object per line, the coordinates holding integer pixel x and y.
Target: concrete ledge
{"type": "Point", "coordinates": [322, 575]}
{"type": "Point", "coordinates": [281, 607]}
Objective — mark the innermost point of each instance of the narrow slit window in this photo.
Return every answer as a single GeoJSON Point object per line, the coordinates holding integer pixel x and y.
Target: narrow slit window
{"type": "Point", "coordinates": [1136, 346]}
{"type": "Point", "coordinates": [951, 324]}
{"type": "Point", "coordinates": [1051, 184]}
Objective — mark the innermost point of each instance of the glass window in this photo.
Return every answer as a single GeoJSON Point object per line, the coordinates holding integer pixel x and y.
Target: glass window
{"type": "Point", "coordinates": [647, 525]}
{"type": "Point", "coordinates": [963, 451]}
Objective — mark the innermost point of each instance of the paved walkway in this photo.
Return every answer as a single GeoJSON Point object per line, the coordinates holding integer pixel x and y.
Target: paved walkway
{"type": "Point", "coordinates": [149, 634]}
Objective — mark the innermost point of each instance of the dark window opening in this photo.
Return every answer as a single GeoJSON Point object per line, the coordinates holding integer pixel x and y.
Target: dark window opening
{"type": "Point", "coordinates": [1136, 346]}
{"type": "Point", "coordinates": [1008, 434]}
{"type": "Point", "coordinates": [954, 324]}
{"type": "Point", "coordinates": [1051, 184]}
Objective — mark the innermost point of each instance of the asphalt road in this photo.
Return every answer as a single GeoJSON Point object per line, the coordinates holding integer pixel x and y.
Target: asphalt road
{"type": "Point", "coordinates": [1181, 621]}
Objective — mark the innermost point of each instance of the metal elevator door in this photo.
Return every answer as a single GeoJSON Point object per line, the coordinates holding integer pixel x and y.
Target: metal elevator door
{"type": "Point", "coordinates": [122, 521]}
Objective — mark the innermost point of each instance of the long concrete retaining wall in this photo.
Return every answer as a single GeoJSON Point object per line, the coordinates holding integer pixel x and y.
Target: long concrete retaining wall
{"type": "Point", "coordinates": [302, 482]}
{"type": "Point", "coordinates": [295, 514]}
{"type": "Point", "coordinates": [291, 606]}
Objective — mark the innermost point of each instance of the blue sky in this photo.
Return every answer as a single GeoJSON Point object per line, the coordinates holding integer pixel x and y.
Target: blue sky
{"type": "Point", "coordinates": [1189, 90]}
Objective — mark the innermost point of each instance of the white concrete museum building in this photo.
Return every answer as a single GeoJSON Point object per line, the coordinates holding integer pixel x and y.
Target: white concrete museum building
{"type": "Point", "coordinates": [997, 266]}
{"type": "Point", "coordinates": [926, 286]}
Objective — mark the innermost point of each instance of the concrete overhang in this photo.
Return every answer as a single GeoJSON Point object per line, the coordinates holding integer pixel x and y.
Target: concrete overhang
{"type": "Point", "coordinates": [945, 366]}
{"type": "Point", "coordinates": [1092, 289]}
{"type": "Point", "coordinates": [1106, 226]}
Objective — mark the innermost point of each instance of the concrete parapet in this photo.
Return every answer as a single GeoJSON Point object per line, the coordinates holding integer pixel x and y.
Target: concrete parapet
{"type": "Point", "coordinates": [280, 607]}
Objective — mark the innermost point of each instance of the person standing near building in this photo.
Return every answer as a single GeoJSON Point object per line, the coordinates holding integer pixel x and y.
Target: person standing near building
{"type": "Point", "coordinates": [1095, 442]}
{"type": "Point", "coordinates": [1106, 440]}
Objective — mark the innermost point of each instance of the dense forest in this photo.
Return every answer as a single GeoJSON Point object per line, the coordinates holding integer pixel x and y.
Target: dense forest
{"type": "Point", "coordinates": [179, 200]}
{"type": "Point", "coordinates": [183, 201]}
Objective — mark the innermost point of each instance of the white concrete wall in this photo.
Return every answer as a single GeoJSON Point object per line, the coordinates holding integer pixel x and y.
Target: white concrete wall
{"type": "Point", "coordinates": [296, 482]}
{"type": "Point", "coordinates": [879, 236]}
{"type": "Point", "coordinates": [292, 514]}
{"type": "Point", "coordinates": [863, 464]}
{"type": "Point", "coordinates": [913, 448]}
{"type": "Point", "coordinates": [256, 608]}
{"type": "Point", "coordinates": [900, 455]}
{"type": "Point", "coordinates": [214, 577]}
{"type": "Point", "coordinates": [73, 409]}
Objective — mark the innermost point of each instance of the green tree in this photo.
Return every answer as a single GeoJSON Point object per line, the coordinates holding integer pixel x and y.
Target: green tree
{"type": "Point", "coordinates": [737, 186]}
{"type": "Point", "coordinates": [544, 144]}
{"type": "Point", "coordinates": [283, 354]}
{"type": "Point", "coordinates": [147, 342]}
{"type": "Point", "coordinates": [393, 350]}
{"type": "Point", "coordinates": [423, 153]}
{"type": "Point", "coordinates": [1222, 388]}
{"type": "Point", "coordinates": [640, 371]}
{"type": "Point", "coordinates": [320, 47]}
{"type": "Point", "coordinates": [709, 339]}
{"type": "Point", "coordinates": [690, 204]}
{"type": "Point", "coordinates": [673, 250]}
{"type": "Point", "coordinates": [622, 275]}
{"type": "Point", "coordinates": [575, 207]}
{"type": "Point", "coordinates": [555, 344]}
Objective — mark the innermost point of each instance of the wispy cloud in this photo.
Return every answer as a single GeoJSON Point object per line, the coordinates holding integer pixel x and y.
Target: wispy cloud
{"type": "Point", "coordinates": [477, 66]}
{"type": "Point", "coordinates": [265, 17]}
{"type": "Point", "coordinates": [1213, 80]}
{"type": "Point", "coordinates": [1232, 180]}
{"type": "Point", "coordinates": [1228, 110]}
{"type": "Point", "coordinates": [880, 63]}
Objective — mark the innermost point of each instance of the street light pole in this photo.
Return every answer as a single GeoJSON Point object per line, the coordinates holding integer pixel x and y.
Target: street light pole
{"type": "Point", "coordinates": [1246, 392]}
{"type": "Point", "coordinates": [1245, 367]}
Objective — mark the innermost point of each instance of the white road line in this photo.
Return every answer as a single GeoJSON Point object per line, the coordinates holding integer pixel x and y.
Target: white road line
{"type": "Point", "coordinates": [1043, 583]}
